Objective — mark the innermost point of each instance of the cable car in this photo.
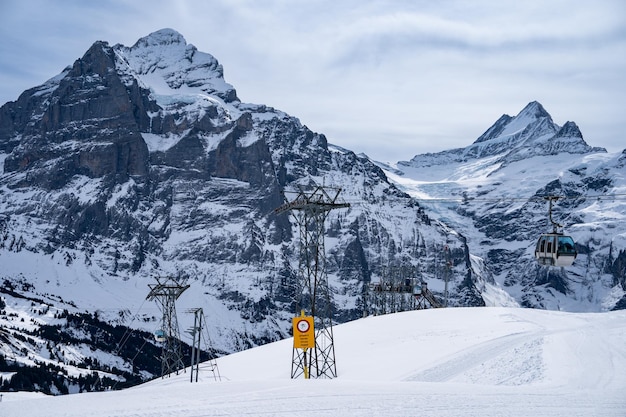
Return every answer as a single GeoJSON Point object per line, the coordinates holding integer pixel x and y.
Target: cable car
{"type": "Point", "coordinates": [555, 249]}
{"type": "Point", "coordinates": [159, 335]}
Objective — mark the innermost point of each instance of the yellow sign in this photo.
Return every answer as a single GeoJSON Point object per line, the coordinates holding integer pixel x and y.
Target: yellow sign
{"type": "Point", "coordinates": [303, 332]}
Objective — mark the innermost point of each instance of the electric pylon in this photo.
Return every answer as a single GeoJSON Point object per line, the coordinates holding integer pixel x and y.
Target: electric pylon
{"type": "Point", "coordinates": [310, 209]}
{"type": "Point", "coordinates": [165, 292]}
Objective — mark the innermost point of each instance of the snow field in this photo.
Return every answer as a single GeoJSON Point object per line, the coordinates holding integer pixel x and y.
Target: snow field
{"type": "Point", "coordinates": [444, 362]}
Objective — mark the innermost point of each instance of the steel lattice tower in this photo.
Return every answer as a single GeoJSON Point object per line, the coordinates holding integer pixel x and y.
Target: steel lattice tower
{"type": "Point", "coordinates": [165, 293]}
{"type": "Point", "coordinates": [310, 209]}
{"type": "Point", "coordinates": [196, 347]}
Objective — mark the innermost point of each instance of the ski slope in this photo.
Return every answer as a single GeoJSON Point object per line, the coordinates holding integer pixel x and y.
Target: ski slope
{"type": "Point", "coordinates": [441, 362]}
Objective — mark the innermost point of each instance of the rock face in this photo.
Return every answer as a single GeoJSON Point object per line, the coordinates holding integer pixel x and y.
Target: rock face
{"type": "Point", "coordinates": [138, 162]}
{"type": "Point", "coordinates": [86, 124]}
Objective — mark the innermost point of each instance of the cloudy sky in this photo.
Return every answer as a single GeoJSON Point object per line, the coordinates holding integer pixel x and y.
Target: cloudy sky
{"type": "Point", "coordinates": [388, 78]}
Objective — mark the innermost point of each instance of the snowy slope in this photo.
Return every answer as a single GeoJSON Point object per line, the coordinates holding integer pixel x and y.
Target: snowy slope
{"type": "Point", "coordinates": [446, 362]}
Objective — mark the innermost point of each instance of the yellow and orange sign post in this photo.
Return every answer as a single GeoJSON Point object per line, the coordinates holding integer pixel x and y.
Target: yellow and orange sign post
{"type": "Point", "coordinates": [303, 336]}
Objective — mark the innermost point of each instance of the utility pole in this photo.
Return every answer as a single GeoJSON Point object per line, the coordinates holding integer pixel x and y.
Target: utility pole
{"type": "Point", "coordinates": [310, 209]}
{"type": "Point", "coordinates": [165, 292]}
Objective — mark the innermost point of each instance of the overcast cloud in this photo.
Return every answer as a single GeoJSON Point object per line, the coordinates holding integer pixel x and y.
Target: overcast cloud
{"type": "Point", "coordinates": [388, 78]}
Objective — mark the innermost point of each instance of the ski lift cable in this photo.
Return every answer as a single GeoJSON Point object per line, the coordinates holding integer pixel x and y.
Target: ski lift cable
{"type": "Point", "coordinates": [536, 198]}
{"type": "Point", "coordinates": [132, 361]}
{"type": "Point", "coordinates": [129, 331]}
{"type": "Point", "coordinates": [206, 335]}
{"type": "Point", "coordinates": [124, 339]}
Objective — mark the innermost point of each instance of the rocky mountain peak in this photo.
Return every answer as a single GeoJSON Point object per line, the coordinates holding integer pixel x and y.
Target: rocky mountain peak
{"type": "Point", "coordinates": [496, 129]}
{"type": "Point", "coordinates": [569, 129]}
{"type": "Point", "coordinates": [530, 133]}
{"type": "Point", "coordinates": [165, 63]}
{"type": "Point", "coordinates": [98, 59]}
{"type": "Point", "coordinates": [528, 119]}
{"type": "Point", "coordinates": [533, 110]}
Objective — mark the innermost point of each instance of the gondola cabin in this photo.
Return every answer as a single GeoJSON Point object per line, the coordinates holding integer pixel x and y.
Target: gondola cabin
{"type": "Point", "coordinates": [555, 249]}
{"type": "Point", "coordinates": [159, 335]}
{"type": "Point", "coordinates": [417, 289]}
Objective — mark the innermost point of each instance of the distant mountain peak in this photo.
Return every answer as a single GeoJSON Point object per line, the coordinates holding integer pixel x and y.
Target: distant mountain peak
{"type": "Point", "coordinates": [533, 110]}
{"type": "Point", "coordinates": [496, 129]}
{"type": "Point", "coordinates": [506, 125]}
{"type": "Point", "coordinates": [531, 132]}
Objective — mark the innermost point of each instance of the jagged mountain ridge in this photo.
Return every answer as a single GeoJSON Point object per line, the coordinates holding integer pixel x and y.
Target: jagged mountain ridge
{"type": "Point", "coordinates": [492, 192]}
{"type": "Point", "coordinates": [531, 133]}
{"type": "Point", "coordinates": [141, 161]}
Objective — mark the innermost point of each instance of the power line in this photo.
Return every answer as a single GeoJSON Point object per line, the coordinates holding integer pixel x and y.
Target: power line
{"type": "Point", "coordinates": [468, 199]}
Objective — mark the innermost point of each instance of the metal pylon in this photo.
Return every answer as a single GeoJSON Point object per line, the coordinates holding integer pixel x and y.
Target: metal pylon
{"type": "Point", "coordinates": [199, 324]}
{"type": "Point", "coordinates": [165, 292]}
{"type": "Point", "coordinates": [310, 209]}
{"type": "Point", "coordinates": [196, 335]}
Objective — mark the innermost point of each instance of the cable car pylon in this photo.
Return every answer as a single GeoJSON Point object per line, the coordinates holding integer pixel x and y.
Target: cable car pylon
{"type": "Point", "coordinates": [165, 292]}
{"type": "Point", "coordinates": [310, 208]}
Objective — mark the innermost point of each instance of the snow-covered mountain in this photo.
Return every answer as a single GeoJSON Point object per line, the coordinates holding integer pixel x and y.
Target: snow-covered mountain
{"type": "Point", "coordinates": [492, 193]}
{"type": "Point", "coordinates": [141, 162]}
{"type": "Point", "coordinates": [531, 133]}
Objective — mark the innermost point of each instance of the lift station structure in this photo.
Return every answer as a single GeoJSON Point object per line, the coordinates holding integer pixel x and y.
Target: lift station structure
{"type": "Point", "coordinates": [399, 289]}
{"type": "Point", "coordinates": [310, 208]}
{"type": "Point", "coordinates": [396, 295]}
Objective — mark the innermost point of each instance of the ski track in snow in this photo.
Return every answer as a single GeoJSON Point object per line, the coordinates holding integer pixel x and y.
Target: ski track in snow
{"type": "Point", "coordinates": [460, 364]}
